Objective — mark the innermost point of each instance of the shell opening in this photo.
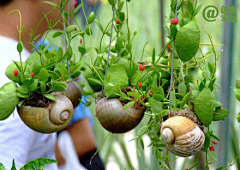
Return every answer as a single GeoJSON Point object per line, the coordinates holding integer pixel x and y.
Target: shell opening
{"type": "Point", "coordinates": [168, 136]}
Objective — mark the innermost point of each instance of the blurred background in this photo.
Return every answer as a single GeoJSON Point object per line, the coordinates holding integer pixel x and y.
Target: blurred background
{"type": "Point", "coordinates": [148, 19]}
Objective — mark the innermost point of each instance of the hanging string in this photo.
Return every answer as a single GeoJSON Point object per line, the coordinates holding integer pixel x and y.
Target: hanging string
{"type": "Point", "coordinates": [64, 29]}
{"type": "Point", "coordinates": [172, 66]}
{"type": "Point", "coordinates": [109, 48]}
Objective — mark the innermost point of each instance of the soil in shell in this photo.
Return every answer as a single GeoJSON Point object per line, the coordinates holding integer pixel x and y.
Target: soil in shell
{"type": "Point", "coordinates": [37, 100]}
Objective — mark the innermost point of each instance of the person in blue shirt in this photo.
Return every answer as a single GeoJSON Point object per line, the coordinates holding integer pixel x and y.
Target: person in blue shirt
{"type": "Point", "coordinates": [81, 132]}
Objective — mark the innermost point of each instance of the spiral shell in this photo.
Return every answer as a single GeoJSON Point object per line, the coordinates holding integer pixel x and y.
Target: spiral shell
{"type": "Point", "coordinates": [48, 120]}
{"type": "Point", "coordinates": [74, 93]}
{"type": "Point", "coordinates": [182, 136]}
{"type": "Point", "coordinates": [114, 118]}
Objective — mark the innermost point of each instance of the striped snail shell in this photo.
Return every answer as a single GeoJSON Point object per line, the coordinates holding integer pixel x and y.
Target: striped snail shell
{"type": "Point", "coordinates": [182, 136]}
{"type": "Point", "coordinates": [114, 118]}
{"type": "Point", "coordinates": [48, 120]}
{"type": "Point", "coordinates": [74, 93]}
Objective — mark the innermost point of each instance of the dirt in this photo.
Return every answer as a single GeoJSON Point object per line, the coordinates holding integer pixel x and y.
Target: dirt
{"type": "Point", "coordinates": [37, 100]}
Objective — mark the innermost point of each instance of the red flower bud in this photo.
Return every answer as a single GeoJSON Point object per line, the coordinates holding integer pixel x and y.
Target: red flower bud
{"type": "Point", "coordinates": [214, 142]}
{"type": "Point", "coordinates": [150, 93]}
{"type": "Point", "coordinates": [139, 84]}
{"type": "Point", "coordinates": [75, 3]}
{"type": "Point", "coordinates": [81, 41]}
{"type": "Point", "coordinates": [211, 148]}
{"type": "Point", "coordinates": [213, 112]}
{"type": "Point", "coordinates": [191, 108]}
{"type": "Point", "coordinates": [143, 68]}
{"type": "Point", "coordinates": [77, 78]}
{"type": "Point", "coordinates": [174, 21]}
{"type": "Point", "coordinates": [186, 169]}
{"type": "Point", "coordinates": [15, 72]}
{"type": "Point", "coordinates": [168, 47]}
{"type": "Point", "coordinates": [140, 66]}
{"type": "Point", "coordinates": [117, 21]}
{"type": "Point", "coordinates": [76, 29]}
{"type": "Point", "coordinates": [60, 75]}
{"type": "Point", "coordinates": [32, 74]}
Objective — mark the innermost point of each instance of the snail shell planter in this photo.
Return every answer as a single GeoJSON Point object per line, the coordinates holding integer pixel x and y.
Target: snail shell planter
{"type": "Point", "coordinates": [48, 120]}
{"type": "Point", "coordinates": [183, 136]}
{"type": "Point", "coordinates": [114, 118]}
{"type": "Point", "coordinates": [74, 93]}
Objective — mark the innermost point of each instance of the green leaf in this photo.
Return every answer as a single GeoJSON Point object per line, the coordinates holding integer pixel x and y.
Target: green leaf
{"type": "Point", "coordinates": [57, 33]}
{"type": "Point", "coordinates": [203, 106]}
{"type": "Point", "coordinates": [197, 9]}
{"type": "Point", "coordinates": [49, 96]}
{"type": "Point", "coordinates": [190, 7]}
{"type": "Point", "coordinates": [2, 167]}
{"type": "Point", "coordinates": [43, 86]}
{"type": "Point", "coordinates": [156, 106]}
{"type": "Point", "coordinates": [212, 155]}
{"type": "Point", "coordinates": [16, 66]}
{"type": "Point", "coordinates": [142, 131]}
{"type": "Point", "coordinates": [158, 97]}
{"type": "Point", "coordinates": [53, 75]}
{"type": "Point", "coordinates": [237, 94]}
{"type": "Point", "coordinates": [34, 85]}
{"type": "Point", "coordinates": [22, 89]}
{"type": "Point", "coordinates": [111, 2]}
{"type": "Point", "coordinates": [187, 41]}
{"type": "Point", "coordinates": [8, 99]}
{"type": "Point", "coordinates": [71, 28]}
{"type": "Point", "coordinates": [220, 114]}
{"type": "Point", "coordinates": [184, 100]}
{"type": "Point", "coordinates": [88, 31]}
{"type": "Point", "coordinates": [128, 105]}
{"type": "Point", "coordinates": [59, 86]}
{"type": "Point", "coordinates": [99, 25]}
{"type": "Point", "coordinates": [20, 47]}
{"type": "Point", "coordinates": [216, 104]}
{"type": "Point", "coordinates": [13, 166]}
{"type": "Point", "coordinates": [38, 164]}
{"type": "Point", "coordinates": [173, 99]}
{"type": "Point", "coordinates": [91, 17]}
{"type": "Point", "coordinates": [182, 89]}
{"type": "Point", "coordinates": [82, 50]}
{"type": "Point", "coordinates": [51, 3]}
{"type": "Point", "coordinates": [117, 76]}
{"type": "Point", "coordinates": [43, 75]}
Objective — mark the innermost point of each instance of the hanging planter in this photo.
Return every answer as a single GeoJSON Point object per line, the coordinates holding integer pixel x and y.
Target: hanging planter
{"type": "Point", "coordinates": [113, 117]}
{"type": "Point", "coordinates": [182, 133]}
{"type": "Point", "coordinates": [73, 93]}
{"type": "Point", "coordinates": [53, 117]}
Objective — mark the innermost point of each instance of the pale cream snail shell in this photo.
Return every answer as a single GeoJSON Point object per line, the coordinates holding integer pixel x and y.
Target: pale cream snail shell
{"type": "Point", "coordinates": [74, 93]}
{"type": "Point", "coordinates": [114, 118]}
{"type": "Point", "coordinates": [48, 120]}
{"type": "Point", "coordinates": [182, 136]}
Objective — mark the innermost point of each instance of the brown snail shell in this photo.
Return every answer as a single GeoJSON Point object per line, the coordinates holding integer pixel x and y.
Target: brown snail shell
{"type": "Point", "coordinates": [182, 136]}
{"type": "Point", "coordinates": [114, 118]}
{"type": "Point", "coordinates": [48, 120]}
{"type": "Point", "coordinates": [74, 93]}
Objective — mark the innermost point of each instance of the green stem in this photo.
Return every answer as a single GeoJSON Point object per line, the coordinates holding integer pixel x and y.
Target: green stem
{"type": "Point", "coordinates": [125, 153]}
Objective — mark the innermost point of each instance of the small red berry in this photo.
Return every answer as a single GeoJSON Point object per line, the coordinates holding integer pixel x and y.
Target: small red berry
{"type": "Point", "coordinates": [76, 29]}
{"type": "Point", "coordinates": [168, 47]}
{"type": "Point", "coordinates": [75, 3]}
{"type": "Point", "coordinates": [117, 21]}
{"type": "Point", "coordinates": [81, 41]}
{"type": "Point", "coordinates": [186, 169]}
{"type": "Point", "coordinates": [134, 89]}
{"type": "Point", "coordinates": [60, 75]}
{"type": "Point", "coordinates": [213, 112]}
{"type": "Point", "coordinates": [191, 108]}
{"type": "Point", "coordinates": [174, 21]}
{"type": "Point", "coordinates": [15, 72]}
{"type": "Point", "coordinates": [140, 66]}
{"type": "Point", "coordinates": [32, 74]}
{"type": "Point", "coordinates": [143, 68]}
{"type": "Point", "coordinates": [214, 142]}
{"type": "Point", "coordinates": [77, 78]}
{"type": "Point", "coordinates": [211, 148]}
{"type": "Point", "coordinates": [150, 93]}
{"type": "Point", "coordinates": [139, 84]}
